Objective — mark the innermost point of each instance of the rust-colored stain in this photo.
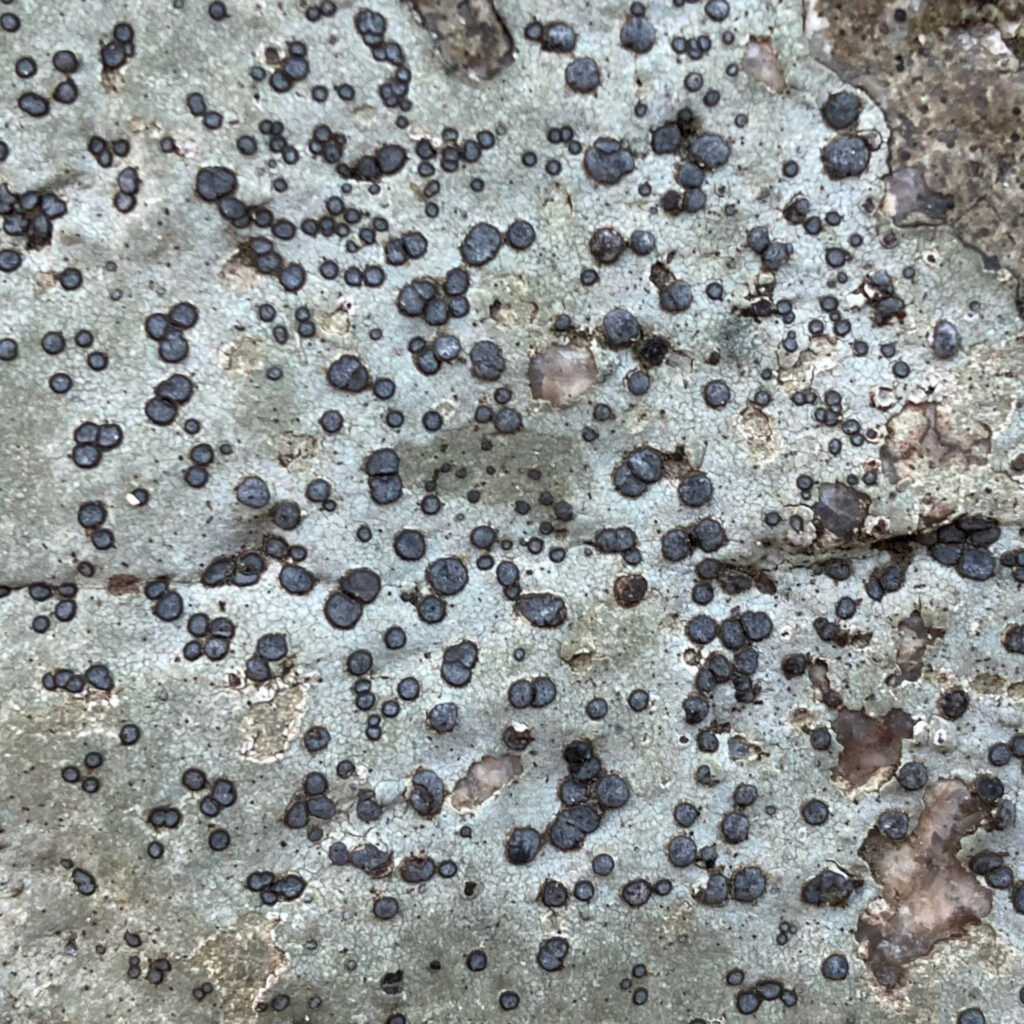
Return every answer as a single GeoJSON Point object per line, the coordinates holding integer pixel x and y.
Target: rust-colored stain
{"type": "Point", "coordinates": [946, 77]}
{"type": "Point", "coordinates": [929, 896]}
{"type": "Point", "coordinates": [923, 436]}
{"type": "Point", "coordinates": [469, 35]}
{"type": "Point", "coordinates": [870, 744]}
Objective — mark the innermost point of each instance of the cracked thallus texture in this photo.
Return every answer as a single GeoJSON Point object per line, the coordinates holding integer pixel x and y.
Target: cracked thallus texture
{"type": "Point", "coordinates": [507, 518]}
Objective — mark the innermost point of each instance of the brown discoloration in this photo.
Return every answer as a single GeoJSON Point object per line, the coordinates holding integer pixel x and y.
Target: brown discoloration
{"type": "Point", "coordinates": [928, 896]}
{"type": "Point", "coordinates": [923, 436]}
{"type": "Point", "coordinates": [915, 637]}
{"type": "Point", "coordinates": [947, 80]}
{"type": "Point", "coordinates": [841, 509]}
{"type": "Point", "coordinates": [760, 61]}
{"type": "Point", "coordinates": [911, 201]}
{"type": "Point", "coordinates": [759, 432]}
{"type": "Point", "coordinates": [270, 725]}
{"type": "Point", "coordinates": [240, 960]}
{"type": "Point", "coordinates": [123, 583]}
{"type": "Point", "coordinates": [483, 779]}
{"type": "Point", "coordinates": [561, 373]}
{"type": "Point", "coordinates": [238, 274]}
{"type": "Point", "coordinates": [872, 747]}
{"type": "Point", "coordinates": [935, 511]}
{"type": "Point", "coordinates": [297, 451]}
{"type": "Point", "coordinates": [470, 36]}
{"type": "Point", "coordinates": [241, 353]}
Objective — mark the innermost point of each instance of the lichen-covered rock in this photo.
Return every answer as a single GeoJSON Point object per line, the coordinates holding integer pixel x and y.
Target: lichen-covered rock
{"type": "Point", "coordinates": [510, 512]}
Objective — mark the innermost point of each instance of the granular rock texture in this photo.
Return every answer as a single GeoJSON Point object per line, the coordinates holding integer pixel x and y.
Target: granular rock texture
{"type": "Point", "coordinates": [510, 513]}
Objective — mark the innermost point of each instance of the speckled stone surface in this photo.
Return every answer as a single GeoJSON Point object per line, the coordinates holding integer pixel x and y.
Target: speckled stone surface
{"type": "Point", "coordinates": [509, 519]}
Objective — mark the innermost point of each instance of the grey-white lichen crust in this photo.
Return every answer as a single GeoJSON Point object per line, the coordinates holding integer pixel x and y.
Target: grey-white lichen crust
{"type": "Point", "coordinates": [499, 520]}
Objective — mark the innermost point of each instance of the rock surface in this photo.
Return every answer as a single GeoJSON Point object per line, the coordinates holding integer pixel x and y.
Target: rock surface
{"type": "Point", "coordinates": [510, 519]}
